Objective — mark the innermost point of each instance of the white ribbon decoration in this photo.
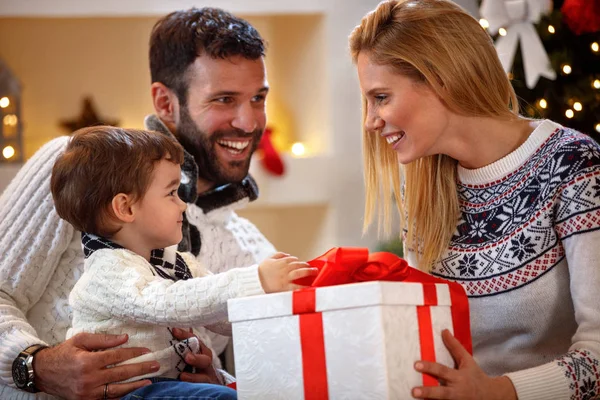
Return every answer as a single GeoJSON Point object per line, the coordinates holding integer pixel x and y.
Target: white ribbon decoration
{"type": "Point", "coordinates": [518, 17]}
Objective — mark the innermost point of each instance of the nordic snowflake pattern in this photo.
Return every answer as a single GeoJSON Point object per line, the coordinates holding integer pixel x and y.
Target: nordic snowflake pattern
{"type": "Point", "coordinates": [510, 231]}
{"type": "Point", "coordinates": [583, 371]}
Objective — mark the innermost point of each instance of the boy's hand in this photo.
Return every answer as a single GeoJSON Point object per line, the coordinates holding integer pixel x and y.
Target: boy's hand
{"type": "Point", "coordinates": [278, 272]}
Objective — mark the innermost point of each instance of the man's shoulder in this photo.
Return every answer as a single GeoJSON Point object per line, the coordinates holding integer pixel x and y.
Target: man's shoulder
{"type": "Point", "coordinates": [56, 145]}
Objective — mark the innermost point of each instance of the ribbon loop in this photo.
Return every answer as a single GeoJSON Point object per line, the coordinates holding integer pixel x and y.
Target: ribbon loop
{"type": "Point", "coordinates": [518, 17]}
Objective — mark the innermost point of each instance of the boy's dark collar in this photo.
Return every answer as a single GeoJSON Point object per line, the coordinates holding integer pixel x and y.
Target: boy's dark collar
{"type": "Point", "coordinates": [175, 269]}
{"type": "Point", "coordinates": [216, 198]}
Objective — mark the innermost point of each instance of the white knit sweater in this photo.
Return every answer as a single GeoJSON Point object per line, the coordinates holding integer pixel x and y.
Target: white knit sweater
{"type": "Point", "coordinates": [527, 252]}
{"type": "Point", "coordinates": [119, 292]}
{"type": "Point", "coordinates": [41, 259]}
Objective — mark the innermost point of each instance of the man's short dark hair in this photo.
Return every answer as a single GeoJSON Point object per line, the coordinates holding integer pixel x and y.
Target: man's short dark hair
{"type": "Point", "coordinates": [181, 36]}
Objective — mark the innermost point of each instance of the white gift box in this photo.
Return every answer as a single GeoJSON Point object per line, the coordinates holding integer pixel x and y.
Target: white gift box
{"type": "Point", "coordinates": [372, 332]}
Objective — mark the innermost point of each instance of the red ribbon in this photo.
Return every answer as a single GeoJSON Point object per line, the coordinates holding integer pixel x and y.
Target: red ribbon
{"type": "Point", "coordinates": [342, 265]}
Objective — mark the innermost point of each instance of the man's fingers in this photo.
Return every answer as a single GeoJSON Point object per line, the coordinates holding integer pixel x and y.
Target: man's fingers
{"type": "Point", "coordinates": [204, 349]}
{"type": "Point", "coordinates": [124, 372]}
{"type": "Point", "coordinates": [118, 390]}
{"type": "Point", "coordinates": [182, 334]}
{"type": "Point", "coordinates": [456, 349]}
{"type": "Point", "coordinates": [303, 272]}
{"type": "Point", "coordinates": [98, 341]}
{"type": "Point", "coordinates": [196, 378]}
{"type": "Point", "coordinates": [116, 356]}
{"type": "Point", "coordinates": [200, 361]}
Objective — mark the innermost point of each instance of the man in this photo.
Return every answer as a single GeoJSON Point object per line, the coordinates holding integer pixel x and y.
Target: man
{"type": "Point", "coordinates": [208, 89]}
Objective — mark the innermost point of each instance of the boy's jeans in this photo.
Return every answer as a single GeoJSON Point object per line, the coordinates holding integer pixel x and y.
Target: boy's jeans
{"type": "Point", "coordinates": [172, 389]}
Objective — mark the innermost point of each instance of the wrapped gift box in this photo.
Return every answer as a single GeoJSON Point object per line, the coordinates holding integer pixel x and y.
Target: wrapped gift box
{"type": "Point", "coordinates": [352, 341]}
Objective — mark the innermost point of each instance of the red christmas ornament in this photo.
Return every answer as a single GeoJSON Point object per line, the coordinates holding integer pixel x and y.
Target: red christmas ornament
{"type": "Point", "coordinates": [271, 160]}
{"type": "Point", "coordinates": [582, 16]}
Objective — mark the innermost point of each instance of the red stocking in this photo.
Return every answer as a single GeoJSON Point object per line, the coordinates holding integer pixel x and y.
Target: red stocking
{"type": "Point", "coordinates": [271, 159]}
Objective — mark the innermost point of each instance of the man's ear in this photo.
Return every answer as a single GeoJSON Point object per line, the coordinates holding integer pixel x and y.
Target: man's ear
{"type": "Point", "coordinates": [122, 209]}
{"type": "Point", "coordinates": [166, 103]}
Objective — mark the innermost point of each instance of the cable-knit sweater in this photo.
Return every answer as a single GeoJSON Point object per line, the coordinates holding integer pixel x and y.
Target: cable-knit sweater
{"type": "Point", "coordinates": [121, 292]}
{"type": "Point", "coordinates": [41, 259]}
{"type": "Point", "coordinates": [527, 251]}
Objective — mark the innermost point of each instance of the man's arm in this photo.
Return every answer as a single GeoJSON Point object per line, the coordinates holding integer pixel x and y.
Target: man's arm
{"type": "Point", "coordinates": [32, 241]}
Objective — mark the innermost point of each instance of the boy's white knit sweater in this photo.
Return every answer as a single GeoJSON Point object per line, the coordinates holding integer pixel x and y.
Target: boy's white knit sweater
{"type": "Point", "coordinates": [527, 252]}
{"type": "Point", "coordinates": [119, 292]}
{"type": "Point", "coordinates": [41, 259]}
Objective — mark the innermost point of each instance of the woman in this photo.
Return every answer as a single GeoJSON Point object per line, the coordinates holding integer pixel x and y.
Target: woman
{"type": "Point", "coordinates": [507, 206]}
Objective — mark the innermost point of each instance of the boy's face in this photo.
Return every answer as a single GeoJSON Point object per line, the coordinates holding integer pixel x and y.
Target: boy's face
{"type": "Point", "coordinates": [159, 214]}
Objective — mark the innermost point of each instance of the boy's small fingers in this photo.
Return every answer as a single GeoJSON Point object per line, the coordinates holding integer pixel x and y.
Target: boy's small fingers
{"type": "Point", "coordinates": [302, 273]}
{"type": "Point", "coordinates": [279, 255]}
{"type": "Point", "coordinates": [295, 264]}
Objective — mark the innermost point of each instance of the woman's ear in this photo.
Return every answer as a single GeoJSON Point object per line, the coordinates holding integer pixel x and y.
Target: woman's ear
{"type": "Point", "coordinates": [166, 103]}
{"type": "Point", "coordinates": [122, 209]}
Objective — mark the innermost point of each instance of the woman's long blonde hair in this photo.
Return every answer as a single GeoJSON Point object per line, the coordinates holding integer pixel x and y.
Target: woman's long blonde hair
{"type": "Point", "coordinates": [437, 43]}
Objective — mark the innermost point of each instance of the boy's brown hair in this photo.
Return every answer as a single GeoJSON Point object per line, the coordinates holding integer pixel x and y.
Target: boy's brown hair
{"type": "Point", "coordinates": [101, 162]}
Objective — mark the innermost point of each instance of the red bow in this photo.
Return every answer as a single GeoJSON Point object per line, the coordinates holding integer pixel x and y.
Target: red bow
{"type": "Point", "coordinates": [342, 265]}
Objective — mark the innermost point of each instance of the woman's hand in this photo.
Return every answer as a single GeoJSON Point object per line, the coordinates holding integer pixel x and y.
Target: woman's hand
{"type": "Point", "coordinates": [466, 382]}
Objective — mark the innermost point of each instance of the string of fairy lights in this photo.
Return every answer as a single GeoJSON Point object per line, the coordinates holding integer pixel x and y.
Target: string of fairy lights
{"type": "Point", "coordinates": [572, 105]}
{"type": "Point", "coordinates": [10, 123]}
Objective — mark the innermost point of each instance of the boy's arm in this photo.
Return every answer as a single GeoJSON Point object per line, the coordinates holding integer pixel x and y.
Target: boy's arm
{"type": "Point", "coordinates": [32, 241]}
{"type": "Point", "coordinates": [120, 285]}
{"type": "Point", "coordinates": [198, 270]}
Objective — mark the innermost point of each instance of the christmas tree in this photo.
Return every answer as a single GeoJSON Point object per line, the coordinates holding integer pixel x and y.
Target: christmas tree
{"type": "Point", "coordinates": [570, 34]}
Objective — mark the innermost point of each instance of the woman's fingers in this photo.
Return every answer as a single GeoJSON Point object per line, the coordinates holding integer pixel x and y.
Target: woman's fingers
{"type": "Point", "coordinates": [436, 370]}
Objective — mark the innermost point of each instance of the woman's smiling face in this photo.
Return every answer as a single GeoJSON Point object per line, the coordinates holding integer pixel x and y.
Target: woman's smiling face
{"type": "Point", "coordinates": [408, 114]}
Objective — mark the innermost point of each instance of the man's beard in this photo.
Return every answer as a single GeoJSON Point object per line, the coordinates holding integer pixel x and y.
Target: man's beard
{"type": "Point", "coordinates": [203, 148]}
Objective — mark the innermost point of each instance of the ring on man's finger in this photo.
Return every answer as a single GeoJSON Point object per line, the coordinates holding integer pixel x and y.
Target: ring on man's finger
{"type": "Point", "coordinates": [105, 392]}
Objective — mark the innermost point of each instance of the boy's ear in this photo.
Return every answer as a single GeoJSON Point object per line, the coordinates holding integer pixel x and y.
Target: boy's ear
{"type": "Point", "coordinates": [122, 208]}
{"type": "Point", "coordinates": [166, 104]}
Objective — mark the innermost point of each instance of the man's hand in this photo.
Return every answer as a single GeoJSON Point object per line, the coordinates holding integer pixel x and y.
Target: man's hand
{"type": "Point", "coordinates": [205, 372]}
{"type": "Point", "coordinates": [75, 369]}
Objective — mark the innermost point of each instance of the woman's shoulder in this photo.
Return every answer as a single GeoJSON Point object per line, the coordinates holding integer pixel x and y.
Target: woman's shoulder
{"type": "Point", "coordinates": [568, 161]}
{"type": "Point", "coordinates": [566, 152]}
